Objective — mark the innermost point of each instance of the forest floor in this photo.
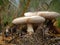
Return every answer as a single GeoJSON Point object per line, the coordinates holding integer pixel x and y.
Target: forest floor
{"type": "Point", "coordinates": [38, 38]}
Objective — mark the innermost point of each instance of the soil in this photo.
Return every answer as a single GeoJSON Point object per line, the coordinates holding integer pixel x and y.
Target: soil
{"type": "Point", "coordinates": [40, 37]}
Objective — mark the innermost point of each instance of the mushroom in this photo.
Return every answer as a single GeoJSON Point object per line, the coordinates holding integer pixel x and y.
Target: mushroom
{"type": "Point", "coordinates": [50, 19]}
{"type": "Point", "coordinates": [29, 21]}
{"type": "Point", "coordinates": [48, 15]}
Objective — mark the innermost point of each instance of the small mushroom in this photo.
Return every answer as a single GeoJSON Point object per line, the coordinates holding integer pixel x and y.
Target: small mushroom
{"type": "Point", "coordinates": [29, 21]}
{"type": "Point", "coordinates": [46, 14]}
{"type": "Point", "coordinates": [50, 19]}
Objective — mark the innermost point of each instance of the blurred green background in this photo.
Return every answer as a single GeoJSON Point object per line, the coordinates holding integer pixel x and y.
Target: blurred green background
{"type": "Point", "coordinates": [10, 9]}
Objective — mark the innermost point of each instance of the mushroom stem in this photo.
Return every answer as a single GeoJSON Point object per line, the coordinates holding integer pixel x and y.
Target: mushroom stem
{"type": "Point", "coordinates": [30, 29]}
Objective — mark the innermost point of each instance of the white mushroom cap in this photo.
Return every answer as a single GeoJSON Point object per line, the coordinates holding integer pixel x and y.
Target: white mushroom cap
{"type": "Point", "coordinates": [33, 19]}
{"type": "Point", "coordinates": [28, 14]}
{"type": "Point", "coordinates": [46, 14]}
{"type": "Point", "coordinates": [49, 15]}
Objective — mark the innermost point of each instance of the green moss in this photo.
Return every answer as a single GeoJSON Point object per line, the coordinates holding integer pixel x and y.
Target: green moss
{"type": "Point", "coordinates": [58, 19]}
